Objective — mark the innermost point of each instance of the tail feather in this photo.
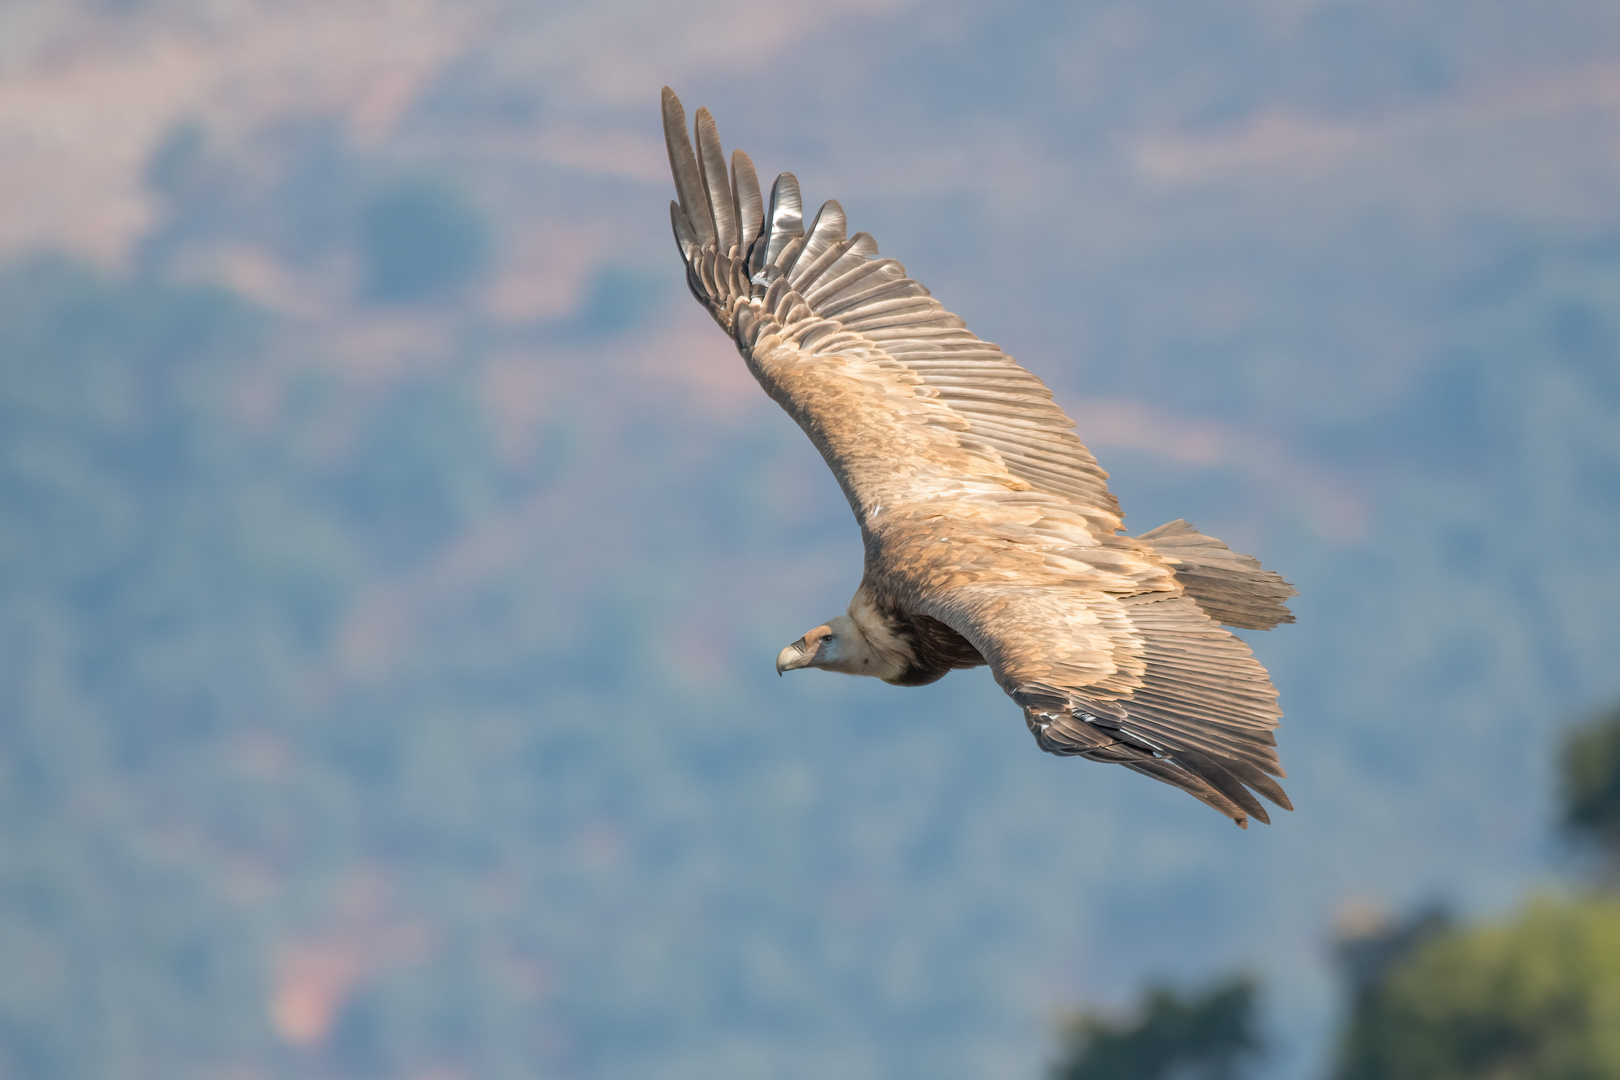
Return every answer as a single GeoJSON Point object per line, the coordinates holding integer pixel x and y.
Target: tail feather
{"type": "Point", "coordinates": [1231, 588]}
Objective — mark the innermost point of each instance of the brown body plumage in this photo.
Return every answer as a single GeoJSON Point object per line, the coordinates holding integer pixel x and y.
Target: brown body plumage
{"type": "Point", "coordinates": [991, 536]}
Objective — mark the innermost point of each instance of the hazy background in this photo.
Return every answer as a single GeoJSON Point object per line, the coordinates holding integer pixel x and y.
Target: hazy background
{"type": "Point", "coordinates": [392, 556]}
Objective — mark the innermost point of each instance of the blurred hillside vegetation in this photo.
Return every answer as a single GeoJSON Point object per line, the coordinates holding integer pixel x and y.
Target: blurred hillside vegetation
{"type": "Point", "coordinates": [193, 786]}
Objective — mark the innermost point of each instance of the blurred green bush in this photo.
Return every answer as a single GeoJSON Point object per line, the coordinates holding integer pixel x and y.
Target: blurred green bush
{"type": "Point", "coordinates": [1207, 1035]}
{"type": "Point", "coordinates": [1534, 997]}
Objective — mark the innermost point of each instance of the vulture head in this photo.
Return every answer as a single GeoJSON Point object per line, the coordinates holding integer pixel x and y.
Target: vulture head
{"type": "Point", "coordinates": [815, 649]}
{"type": "Point", "coordinates": [857, 643]}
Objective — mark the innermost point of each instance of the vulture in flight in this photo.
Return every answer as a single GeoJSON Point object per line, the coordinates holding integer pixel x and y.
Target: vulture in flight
{"type": "Point", "coordinates": [990, 534]}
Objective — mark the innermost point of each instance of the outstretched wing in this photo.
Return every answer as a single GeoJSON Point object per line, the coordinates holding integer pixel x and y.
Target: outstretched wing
{"type": "Point", "coordinates": [979, 505]}
{"type": "Point", "coordinates": [1188, 704]}
{"type": "Point", "coordinates": [799, 299]}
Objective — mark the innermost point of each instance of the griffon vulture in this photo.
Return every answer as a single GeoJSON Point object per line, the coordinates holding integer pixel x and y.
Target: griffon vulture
{"type": "Point", "coordinates": [991, 536]}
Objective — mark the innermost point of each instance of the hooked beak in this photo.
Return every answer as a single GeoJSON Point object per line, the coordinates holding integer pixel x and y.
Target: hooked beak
{"type": "Point", "coordinates": [796, 655]}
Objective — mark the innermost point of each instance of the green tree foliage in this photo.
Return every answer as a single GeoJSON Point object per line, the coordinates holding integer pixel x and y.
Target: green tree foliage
{"type": "Point", "coordinates": [1194, 1036]}
{"type": "Point", "coordinates": [1367, 956]}
{"type": "Point", "coordinates": [1591, 784]}
{"type": "Point", "coordinates": [1534, 998]}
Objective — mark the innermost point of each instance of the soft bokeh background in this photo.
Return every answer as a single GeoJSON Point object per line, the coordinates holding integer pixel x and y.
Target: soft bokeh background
{"type": "Point", "coordinates": [393, 556]}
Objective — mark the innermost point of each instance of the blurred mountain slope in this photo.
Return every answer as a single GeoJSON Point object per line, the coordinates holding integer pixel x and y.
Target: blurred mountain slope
{"type": "Point", "coordinates": [389, 689]}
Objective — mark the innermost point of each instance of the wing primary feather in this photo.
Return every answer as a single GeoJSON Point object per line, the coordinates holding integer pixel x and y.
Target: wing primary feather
{"type": "Point", "coordinates": [826, 231]}
{"type": "Point", "coordinates": [750, 208]}
{"type": "Point", "coordinates": [683, 167]}
{"type": "Point", "coordinates": [790, 255]}
{"type": "Point", "coordinates": [684, 238]}
{"type": "Point", "coordinates": [712, 167]}
{"type": "Point", "coordinates": [786, 218]}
